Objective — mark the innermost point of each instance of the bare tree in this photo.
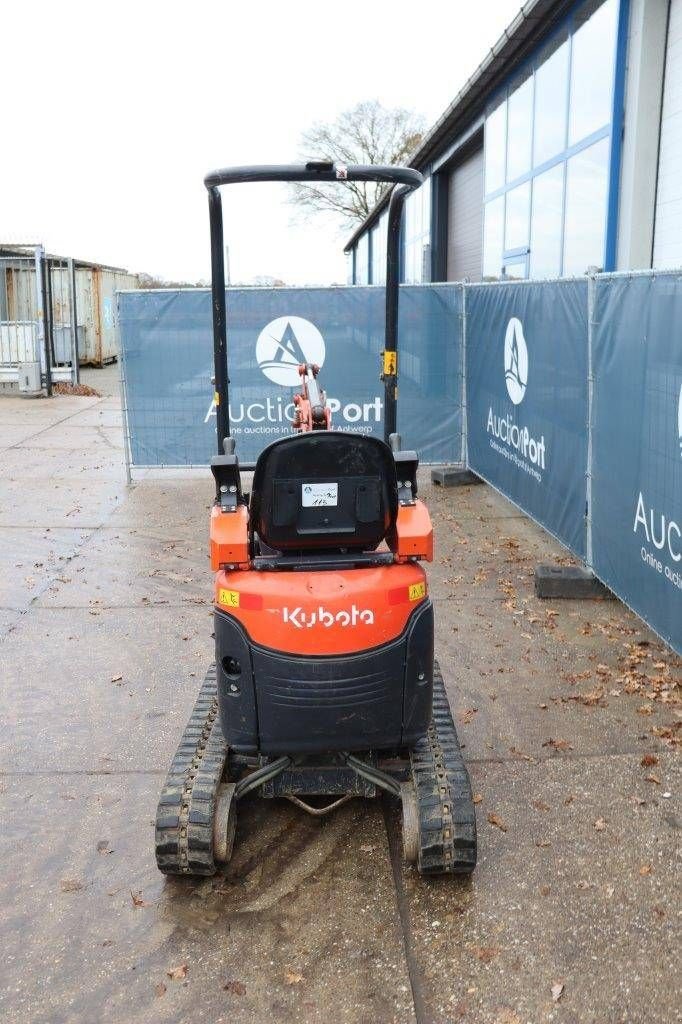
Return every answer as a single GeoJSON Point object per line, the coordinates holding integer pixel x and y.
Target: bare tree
{"type": "Point", "coordinates": [367, 134]}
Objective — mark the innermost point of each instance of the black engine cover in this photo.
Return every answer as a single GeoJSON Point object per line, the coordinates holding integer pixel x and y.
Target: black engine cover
{"type": "Point", "coordinates": [277, 703]}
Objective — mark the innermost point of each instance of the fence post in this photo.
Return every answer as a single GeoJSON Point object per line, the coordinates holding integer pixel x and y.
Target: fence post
{"type": "Point", "coordinates": [71, 275]}
{"type": "Point", "coordinates": [465, 450]}
{"type": "Point", "coordinates": [43, 354]}
{"type": "Point", "coordinates": [591, 303]}
{"type": "Point", "coordinates": [124, 403]}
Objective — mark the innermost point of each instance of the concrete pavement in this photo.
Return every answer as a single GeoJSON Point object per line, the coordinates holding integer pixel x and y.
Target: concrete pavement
{"type": "Point", "coordinates": [567, 713]}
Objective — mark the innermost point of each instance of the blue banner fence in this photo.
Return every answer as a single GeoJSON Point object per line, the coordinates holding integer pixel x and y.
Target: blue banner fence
{"type": "Point", "coordinates": [566, 396]}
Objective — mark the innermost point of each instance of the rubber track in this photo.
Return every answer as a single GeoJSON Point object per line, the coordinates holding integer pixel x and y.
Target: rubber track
{"type": "Point", "coordinates": [447, 817]}
{"type": "Point", "coordinates": [184, 818]}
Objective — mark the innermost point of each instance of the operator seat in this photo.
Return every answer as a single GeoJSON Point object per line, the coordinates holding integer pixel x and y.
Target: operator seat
{"type": "Point", "coordinates": [324, 490]}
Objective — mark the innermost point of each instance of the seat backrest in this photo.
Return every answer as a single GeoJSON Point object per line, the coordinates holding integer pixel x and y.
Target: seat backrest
{"type": "Point", "coordinates": [324, 489]}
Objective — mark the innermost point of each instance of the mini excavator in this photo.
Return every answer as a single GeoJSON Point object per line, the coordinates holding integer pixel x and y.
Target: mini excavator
{"type": "Point", "coordinates": [324, 686]}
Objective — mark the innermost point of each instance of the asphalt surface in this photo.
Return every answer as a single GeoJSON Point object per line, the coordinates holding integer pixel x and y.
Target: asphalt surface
{"type": "Point", "coordinates": [568, 716]}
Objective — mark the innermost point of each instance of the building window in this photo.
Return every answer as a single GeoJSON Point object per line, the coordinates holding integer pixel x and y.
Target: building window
{"type": "Point", "coordinates": [417, 235]}
{"type": "Point", "coordinates": [545, 230]}
{"type": "Point", "coordinates": [547, 142]}
{"type": "Point", "coordinates": [591, 70]}
{"type": "Point", "coordinates": [362, 260]}
{"type": "Point", "coordinates": [585, 219]}
{"type": "Point", "coordinates": [379, 250]}
{"type": "Point", "coordinates": [519, 128]}
{"type": "Point", "coordinates": [551, 84]}
{"type": "Point", "coordinates": [495, 147]}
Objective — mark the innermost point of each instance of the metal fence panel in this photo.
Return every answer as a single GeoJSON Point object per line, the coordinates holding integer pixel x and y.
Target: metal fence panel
{"type": "Point", "coordinates": [168, 364]}
{"type": "Point", "coordinates": [526, 388]}
{"type": "Point", "coordinates": [637, 446]}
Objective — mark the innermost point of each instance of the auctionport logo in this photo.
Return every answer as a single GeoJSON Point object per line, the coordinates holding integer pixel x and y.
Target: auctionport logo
{"type": "Point", "coordinates": [508, 438]}
{"type": "Point", "coordinates": [515, 361]}
{"type": "Point", "coordinates": [659, 535]}
{"type": "Point", "coordinates": [284, 344]}
{"type": "Point", "coordinates": [281, 347]}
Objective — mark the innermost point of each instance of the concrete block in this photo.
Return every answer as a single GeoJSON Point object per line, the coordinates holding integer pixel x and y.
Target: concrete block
{"type": "Point", "coordinates": [573, 582]}
{"type": "Point", "coordinates": [454, 476]}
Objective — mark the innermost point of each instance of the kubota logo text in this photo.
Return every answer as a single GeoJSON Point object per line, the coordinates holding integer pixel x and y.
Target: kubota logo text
{"type": "Point", "coordinates": [321, 617]}
{"type": "Point", "coordinates": [284, 344]}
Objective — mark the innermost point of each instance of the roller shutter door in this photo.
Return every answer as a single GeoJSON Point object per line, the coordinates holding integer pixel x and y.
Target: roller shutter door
{"type": "Point", "coordinates": [465, 219]}
{"type": "Point", "coordinates": [668, 225]}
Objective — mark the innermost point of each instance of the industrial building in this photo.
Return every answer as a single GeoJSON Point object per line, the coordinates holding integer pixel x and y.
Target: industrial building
{"type": "Point", "coordinates": [561, 153]}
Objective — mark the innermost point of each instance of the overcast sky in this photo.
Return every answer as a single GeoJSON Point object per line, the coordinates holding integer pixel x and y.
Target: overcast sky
{"type": "Point", "coordinates": [113, 112]}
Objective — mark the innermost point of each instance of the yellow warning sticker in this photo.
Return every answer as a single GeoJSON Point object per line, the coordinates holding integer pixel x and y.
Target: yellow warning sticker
{"type": "Point", "coordinates": [216, 398]}
{"type": "Point", "coordinates": [390, 363]}
{"type": "Point", "coordinates": [416, 590]}
{"type": "Point", "coordinates": [228, 597]}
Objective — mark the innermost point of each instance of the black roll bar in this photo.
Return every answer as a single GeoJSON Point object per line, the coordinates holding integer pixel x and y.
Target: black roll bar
{"type": "Point", "coordinates": [404, 179]}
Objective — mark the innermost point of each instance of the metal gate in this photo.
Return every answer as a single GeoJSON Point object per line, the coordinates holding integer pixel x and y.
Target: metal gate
{"type": "Point", "coordinates": [38, 334]}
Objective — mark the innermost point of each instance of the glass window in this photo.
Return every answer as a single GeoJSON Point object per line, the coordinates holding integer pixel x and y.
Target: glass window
{"type": "Point", "coordinates": [379, 251]}
{"type": "Point", "coordinates": [517, 220]}
{"type": "Point", "coordinates": [520, 129]}
{"type": "Point", "coordinates": [592, 69]}
{"type": "Point", "coordinates": [493, 237]}
{"type": "Point", "coordinates": [545, 233]}
{"type": "Point", "coordinates": [362, 260]}
{"type": "Point", "coordinates": [551, 102]}
{"type": "Point", "coordinates": [495, 147]}
{"type": "Point", "coordinates": [586, 191]}
{"type": "Point", "coordinates": [417, 234]}
{"type": "Point", "coordinates": [515, 271]}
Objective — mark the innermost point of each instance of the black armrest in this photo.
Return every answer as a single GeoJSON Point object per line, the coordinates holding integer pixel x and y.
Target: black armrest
{"type": "Point", "coordinates": [225, 469]}
{"type": "Point", "coordinates": [406, 465]}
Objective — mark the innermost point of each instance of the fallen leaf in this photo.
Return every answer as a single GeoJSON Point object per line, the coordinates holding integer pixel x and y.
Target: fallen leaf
{"type": "Point", "coordinates": [103, 846]}
{"type": "Point", "coordinates": [540, 805]}
{"type": "Point", "coordinates": [645, 709]}
{"type": "Point", "coordinates": [177, 973]}
{"type": "Point", "coordinates": [507, 1016]}
{"type": "Point", "coordinates": [542, 842]}
{"type": "Point", "coordinates": [652, 778]}
{"type": "Point", "coordinates": [600, 825]}
{"type": "Point", "coordinates": [70, 885]}
{"type": "Point", "coordinates": [465, 717]}
{"type": "Point", "coordinates": [558, 744]}
{"type": "Point", "coordinates": [557, 991]}
{"type": "Point", "coordinates": [486, 953]}
{"type": "Point", "coordinates": [495, 820]}
{"type": "Point", "coordinates": [545, 890]}
{"type": "Point", "coordinates": [367, 848]}
{"type": "Point", "coordinates": [160, 989]}
{"type": "Point", "coordinates": [137, 899]}
{"type": "Point", "coordinates": [116, 679]}
{"type": "Point", "coordinates": [477, 798]}
{"type": "Point", "coordinates": [645, 869]}
{"type": "Point", "coordinates": [648, 760]}
{"type": "Point", "coordinates": [235, 987]}
{"type": "Point", "coordinates": [292, 978]}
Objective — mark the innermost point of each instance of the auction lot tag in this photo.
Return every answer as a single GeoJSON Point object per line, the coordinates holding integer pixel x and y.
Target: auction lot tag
{"type": "Point", "coordinates": [314, 495]}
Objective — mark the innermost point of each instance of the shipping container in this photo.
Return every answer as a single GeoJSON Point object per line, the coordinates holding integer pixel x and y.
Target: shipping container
{"type": "Point", "coordinates": [95, 293]}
